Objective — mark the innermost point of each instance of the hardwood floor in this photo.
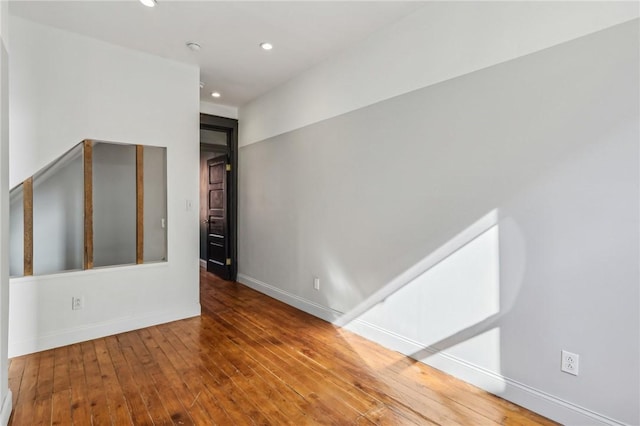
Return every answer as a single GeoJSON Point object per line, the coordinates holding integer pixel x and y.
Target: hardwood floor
{"type": "Point", "coordinates": [248, 359]}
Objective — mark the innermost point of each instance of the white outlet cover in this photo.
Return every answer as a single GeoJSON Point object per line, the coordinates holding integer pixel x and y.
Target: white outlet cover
{"type": "Point", "coordinates": [77, 303]}
{"type": "Point", "coordinates": [570, 363]}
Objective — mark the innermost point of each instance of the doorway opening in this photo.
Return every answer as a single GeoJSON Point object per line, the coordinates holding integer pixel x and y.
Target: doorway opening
{"type": "Point", "coordinates": [218, 195]}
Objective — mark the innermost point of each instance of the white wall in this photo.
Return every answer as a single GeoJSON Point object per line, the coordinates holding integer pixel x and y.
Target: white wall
{"type": "Point", "coordinates": [219, 110]}
{"type": "Point", "coordinates": [66, 88]}
{"type": "Point", "coordinates": [442, 40]}
{"type": "Point", "coordinates": [481, 224]}
{"type": "Point", "coordinates": [5, 393]}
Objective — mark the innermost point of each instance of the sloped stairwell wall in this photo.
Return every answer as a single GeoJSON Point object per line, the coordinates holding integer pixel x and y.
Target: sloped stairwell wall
{"type": "Point", "coordinates": [66, 88]}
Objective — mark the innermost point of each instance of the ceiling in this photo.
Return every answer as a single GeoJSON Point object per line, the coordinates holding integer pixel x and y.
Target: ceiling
{"type": "Point", "coordinates": [303, 33]}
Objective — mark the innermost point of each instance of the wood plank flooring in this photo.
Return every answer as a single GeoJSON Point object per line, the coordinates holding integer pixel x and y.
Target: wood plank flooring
{"type": "Point", "coordinates": [247, 360]}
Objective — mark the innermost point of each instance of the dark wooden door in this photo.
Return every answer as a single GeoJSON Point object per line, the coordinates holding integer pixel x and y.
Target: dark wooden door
{"type": "Point", "coordinates": [218, 258]}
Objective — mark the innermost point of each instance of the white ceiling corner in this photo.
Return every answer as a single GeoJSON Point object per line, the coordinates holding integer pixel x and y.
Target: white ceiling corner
{"type": "Point", "coordinates": [304, 34]}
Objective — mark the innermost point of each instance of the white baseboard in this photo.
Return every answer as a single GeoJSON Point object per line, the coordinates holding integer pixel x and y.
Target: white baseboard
{"type": "Point", "coordinates": [298, 302]}
{"type": "Point", "coordinates": [533, 399]}
{"type": "Point", "coordinates": [526, 396]}
{"type": "Point", "coordinates": [97, 330]}
{"type": "Point", "coordinates": [203, 263]}
{"type": "Point", "coordinates": [7, 406]}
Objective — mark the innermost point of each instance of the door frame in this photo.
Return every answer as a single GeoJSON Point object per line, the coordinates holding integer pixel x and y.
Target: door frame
{"type": "Point", "coordinates": [230, 126]}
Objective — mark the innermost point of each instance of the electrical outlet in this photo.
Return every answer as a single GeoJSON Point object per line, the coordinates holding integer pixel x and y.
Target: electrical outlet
{"type": "Point", "coordinates": [570, 363]}
{"type": "Point", "coordinates": [316, 284]}
{"type": "Point", "coordinates": [77, 303]}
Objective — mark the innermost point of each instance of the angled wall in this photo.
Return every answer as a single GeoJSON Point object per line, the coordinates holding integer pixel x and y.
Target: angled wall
{"type": "Point", "coordinates": [66, 88]}
{"type": "Point", "coordinates": [219, 110]}
{"type": "Point", "coordinates": [481, 224]}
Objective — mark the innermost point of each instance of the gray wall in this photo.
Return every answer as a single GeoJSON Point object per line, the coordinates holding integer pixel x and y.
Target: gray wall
{"type": "Point", "coordinates": [155, 204]}
{"type": "Point", "coordinates": [16, 233]}
{"type": "Point", "coordinates": [114, 204]}
{"type": "Point", "coordinates": [58, 211]}
{"type": "Point", "coordinates": [547, 144]}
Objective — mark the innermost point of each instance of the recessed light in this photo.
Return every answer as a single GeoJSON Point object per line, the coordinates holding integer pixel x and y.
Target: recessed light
{"type": "Point", "coordinates": [215, 94]}
{"type": "Point", "coordinates": [149, 3]}
{"type": "Point", "coordinates": [193, 46]}
{"type": "Point", "coordinates": [266, 46]}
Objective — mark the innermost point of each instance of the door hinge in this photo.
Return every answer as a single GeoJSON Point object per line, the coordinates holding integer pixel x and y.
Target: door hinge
{"type": "Point", "coordinates": [228, 261]}
{"type": "Point", "coordinates": [228, 167]}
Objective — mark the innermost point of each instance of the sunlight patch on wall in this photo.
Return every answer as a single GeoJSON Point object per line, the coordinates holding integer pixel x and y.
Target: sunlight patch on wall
{"type": "Point", "coordinates": [450, 309]}
{"type": "Point", "coordinates": [456, 294]}
{"type": "Point", "coordinates": [438, 260]}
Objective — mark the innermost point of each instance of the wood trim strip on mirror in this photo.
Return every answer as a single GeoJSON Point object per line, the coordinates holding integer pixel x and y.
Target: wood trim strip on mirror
{"type": "Point", "coordinates": [27, 193]}
{"type": "Point", "coordinates": [139, 204]}
{"type": "Point", "coordinates": [88, 204]}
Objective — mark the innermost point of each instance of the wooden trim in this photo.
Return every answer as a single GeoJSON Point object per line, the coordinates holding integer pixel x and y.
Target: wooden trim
{"type": "Point", "coordinates": [88, 204]}
{"type": "Point", "coordinates": [139, 204]}
{"type": "Point", "coordinates": [27, 194]}
{"type": "Point", "coordinates": [233, 203]}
